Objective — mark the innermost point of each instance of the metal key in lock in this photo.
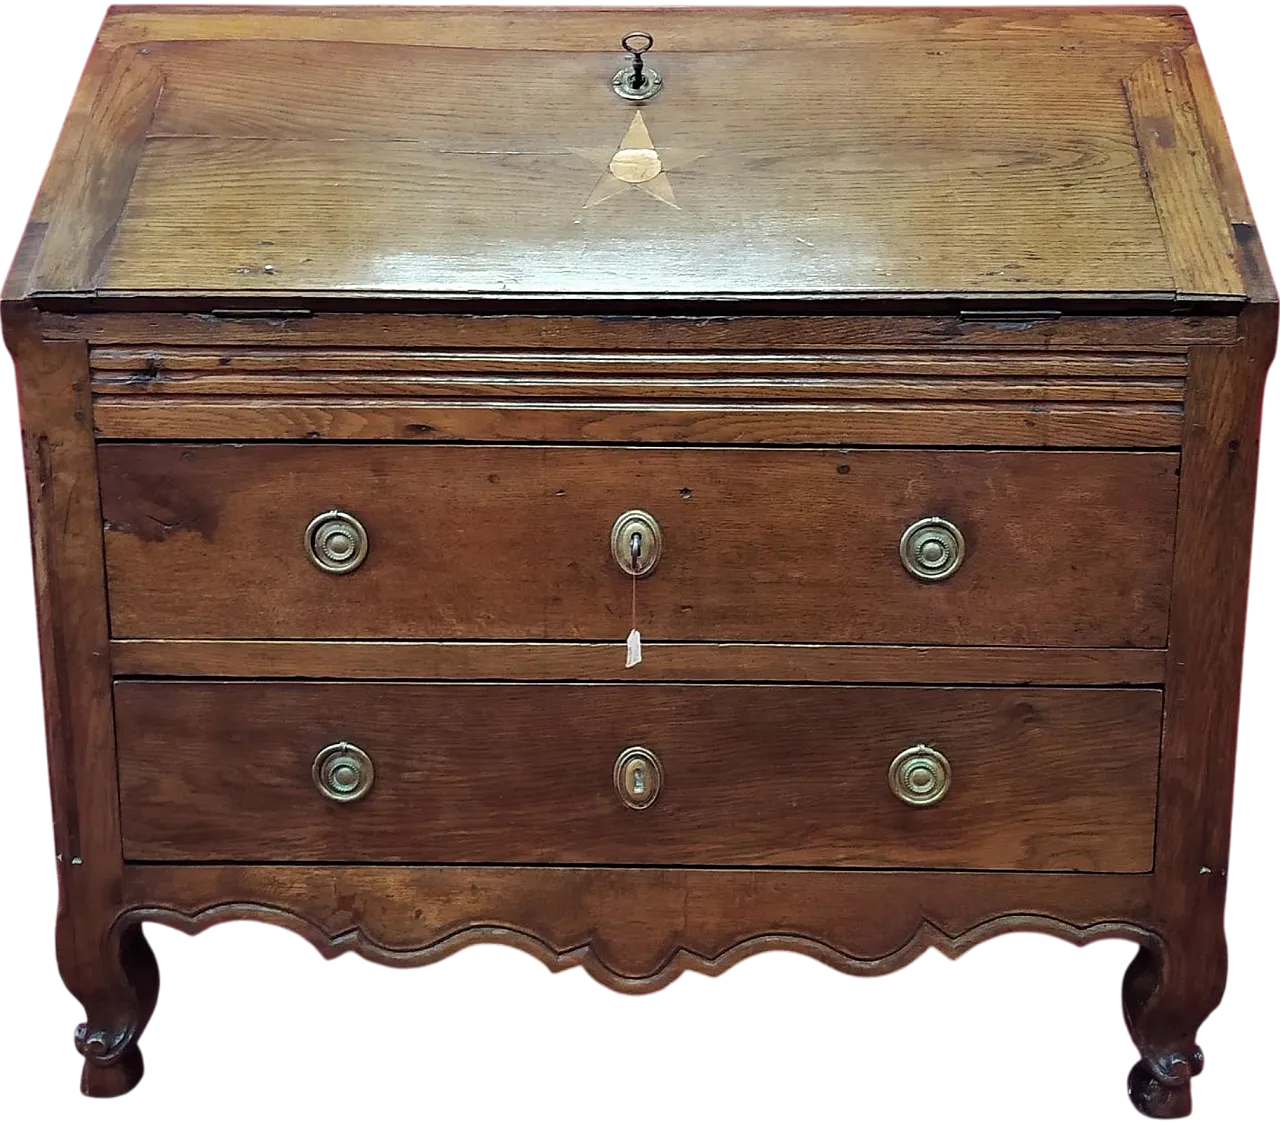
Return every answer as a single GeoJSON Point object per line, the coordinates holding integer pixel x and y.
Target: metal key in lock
{"type": "Point", "coordinates": [637, 82]}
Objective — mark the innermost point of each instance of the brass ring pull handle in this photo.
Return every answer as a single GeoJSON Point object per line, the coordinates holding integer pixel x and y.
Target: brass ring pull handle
{"type": "Point", "coordinates": [637, 777]}
{"type": "Point", "coordinates": [343, 772]}
{"type": "Point", "coordinates": [920, 776]}
{"type": "Point", "coordinates": [931, 549]}
{"type": "Point", "coordinates": [636, 541]}
{"type": "Point", "coordinates": [336, 542]}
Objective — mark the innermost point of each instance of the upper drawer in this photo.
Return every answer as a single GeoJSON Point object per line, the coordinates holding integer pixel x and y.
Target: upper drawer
{"type": "Point", "coordinates": [494, 542]}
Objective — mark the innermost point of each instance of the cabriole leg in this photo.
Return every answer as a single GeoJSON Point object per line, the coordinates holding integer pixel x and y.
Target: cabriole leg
{"type": "Point", "coordinates": [118, 990]}
{"type": "Point", "coordinates": [1169, 990]}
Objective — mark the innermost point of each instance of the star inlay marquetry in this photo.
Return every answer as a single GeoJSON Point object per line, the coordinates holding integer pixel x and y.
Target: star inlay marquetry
{"type": "Point", "coordinates": [635, 163]}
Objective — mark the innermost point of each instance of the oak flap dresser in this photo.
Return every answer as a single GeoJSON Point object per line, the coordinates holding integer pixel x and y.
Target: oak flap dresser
{"type": "Point", "coordinates": [893, 376]}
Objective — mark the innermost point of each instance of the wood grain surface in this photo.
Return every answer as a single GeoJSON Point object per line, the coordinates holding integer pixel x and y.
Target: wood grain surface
{"type": "Point", "coordinates": [194, 370]}
{"type": "Point", "coordinates": [799, 155]}
{"type": "Point", "coordinates": [99, 175]}
{"type": "Point", "coordinates": [641, 326]}
{"type": "Point", "coordinates": [109, 971]}
{"type": "Point", "coordinates": [506, 542]}
{"type": "Point", "coordinates": [1168, 994]}
{"type": "Point", "coordinates": [1179, 167]}
{"type": "Point", "coordinates": [637, 929]}
{"type": "Point", "coordinates": [697, 30]}
{"type": "Point", "coordinates": [1041, 779]}
{"type": "Point", "coordinates": [718, 422]}
{"type": "Point", "coordinates": [663, 661]}
{"type": "Point", "coordinates": [182, 393]}
{"type": "Point", "coordinates": [997, 266]}
{"type": "Point", "coordinates": [763, 385]}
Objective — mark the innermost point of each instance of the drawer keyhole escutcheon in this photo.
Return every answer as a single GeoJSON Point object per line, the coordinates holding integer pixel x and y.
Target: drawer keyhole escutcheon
{"type": "Point", "coordinates": [336, 542]}
{"type": "Point", "coordinates": [637, 776]}
{"type": "Point", "coordinates": [931, 549]}
{"type": "Point", "coordinates": [343, 772]}
{"type": "Point", "coordinates": [637, 543]}
{"type": "Point", "coordinates": [920, 776]}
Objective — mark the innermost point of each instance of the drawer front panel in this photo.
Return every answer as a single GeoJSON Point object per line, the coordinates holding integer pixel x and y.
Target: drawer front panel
{"type": "Point", "coordinates": [503, 542]}
{"type": "Point", "coordinates": [1039, 779]}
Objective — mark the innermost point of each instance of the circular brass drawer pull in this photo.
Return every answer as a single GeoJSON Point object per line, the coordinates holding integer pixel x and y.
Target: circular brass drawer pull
{"type": "Point", "coordinates": [920, 776]}
{"type": "Point", "coordinates": [636, 541]}
{"type": "Point", "coordinates": [637, 776]}
{"type": "Point", "coordinates": [343, 772]}
{"type": "Point", "coordinates": [336, 542]}
{"type": "Point", "coordinates": [932, 549]}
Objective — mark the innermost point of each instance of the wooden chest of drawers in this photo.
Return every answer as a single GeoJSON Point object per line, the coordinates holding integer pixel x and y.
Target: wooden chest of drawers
{"type": "Point", "coordinates": [895, 377]}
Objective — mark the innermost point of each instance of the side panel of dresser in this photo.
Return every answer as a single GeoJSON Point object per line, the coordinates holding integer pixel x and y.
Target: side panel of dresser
{"type": "Point", "coordinates": [1173, 986]}
{"type": "Point", "coordinates": [108, 967]}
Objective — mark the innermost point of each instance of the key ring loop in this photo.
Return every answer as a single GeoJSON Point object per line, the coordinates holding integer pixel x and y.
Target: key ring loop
{"type": "Point", "coordinates": [626, 41]}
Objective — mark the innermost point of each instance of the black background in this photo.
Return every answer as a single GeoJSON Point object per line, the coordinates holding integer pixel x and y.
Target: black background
{"type": "Point", "coordinates": [248, 1016]}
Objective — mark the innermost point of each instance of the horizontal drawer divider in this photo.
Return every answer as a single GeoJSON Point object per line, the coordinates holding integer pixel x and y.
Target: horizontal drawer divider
{"type": "Point", "coordinates": [773, 387]}
{"type": "Point", "coordinates": [710, 446]}
{"type": "Point", "coordinates": [519, 323]}
{"type": "Point", "coordinates": [652, 684]}
{"type": "Point", "coordinates": [144, 364]}
{"type": "Point", "coordinates": [790, 645]}
{"type": "Point", "coordinates": [549, 660]}
{"type": "Point", "coordinates": [873, 423]}
{"type": "Point", "coordinates": [886, 868]}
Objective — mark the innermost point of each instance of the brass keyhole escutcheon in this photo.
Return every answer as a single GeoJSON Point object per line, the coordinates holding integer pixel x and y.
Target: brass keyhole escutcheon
{"type": "Point", "coordinates": [637, 543]}
{"type": "Point", "coordinates": [637, 777]}
{"type": "Point", "coordinates": [343, 772]}
{"type": "Point", "coordinates": [920, 776]}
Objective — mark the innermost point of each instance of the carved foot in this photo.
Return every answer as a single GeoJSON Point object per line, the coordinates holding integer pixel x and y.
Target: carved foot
{"type": "Point", "coordinates": [112, 1063]}
{"type": "Point", "coordinates": [1161, 1088]}
{"type": "Point", "coordinates": [119, 993]}
{"type": "Point", "coordinates": [1168, 992]}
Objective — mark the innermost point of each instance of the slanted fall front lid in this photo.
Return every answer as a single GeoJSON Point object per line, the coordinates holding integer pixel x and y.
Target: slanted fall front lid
{"type": "Point", "coordinates": [1057, 153]}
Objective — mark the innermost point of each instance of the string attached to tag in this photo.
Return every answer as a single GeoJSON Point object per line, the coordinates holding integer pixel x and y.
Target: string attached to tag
{"type": "Point", "coordinates": [634, 654]}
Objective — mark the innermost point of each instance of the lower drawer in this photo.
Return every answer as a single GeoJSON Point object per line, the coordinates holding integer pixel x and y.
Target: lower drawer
{"type": "Point", "coordinates": [1048, 779]}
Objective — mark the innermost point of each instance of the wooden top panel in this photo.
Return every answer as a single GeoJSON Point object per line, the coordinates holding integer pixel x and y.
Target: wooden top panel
{"type": "Point", "coordinates": [295, 153]}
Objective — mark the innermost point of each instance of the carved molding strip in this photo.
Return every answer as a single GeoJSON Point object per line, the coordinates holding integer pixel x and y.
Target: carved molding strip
{"type": "Point", "coordinates": [927, 935]}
